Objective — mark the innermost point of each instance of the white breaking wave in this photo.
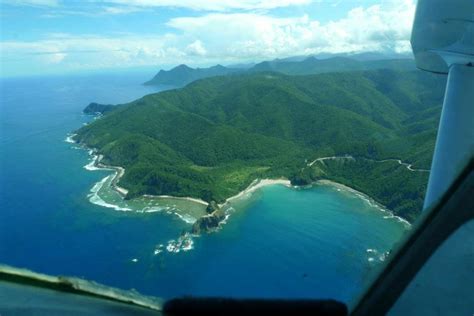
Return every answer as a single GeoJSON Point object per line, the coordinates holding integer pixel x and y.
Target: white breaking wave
{"type": "Point", "coordinates": [371, 202]}
{"type": "Point", "coordinates": [154, 209]}
{"type": "Point", "coordinates": [186, 217]}
{"type": "Point", "coordinates": [374, 254]}
{"type": "Point", "coordinates": [184, 243]}
{"type": "Point", "coordinates": [99, 185]}
{"type": "Point", "coordinates": [158, 249]}
{"type": "Point", "coordinates": [69, 139]}
{"type": "Point", "coordinates": [94, 197]}
{"type": "Point", "coordinates": [91, 166]}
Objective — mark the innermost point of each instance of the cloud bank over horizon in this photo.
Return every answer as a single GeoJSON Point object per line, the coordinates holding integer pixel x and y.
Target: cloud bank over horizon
{"type": "Point", "coordinates": [118, 33]}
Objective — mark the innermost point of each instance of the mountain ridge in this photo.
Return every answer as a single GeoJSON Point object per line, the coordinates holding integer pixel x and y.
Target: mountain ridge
{"type": "Point", "coordinates": [182, 75]}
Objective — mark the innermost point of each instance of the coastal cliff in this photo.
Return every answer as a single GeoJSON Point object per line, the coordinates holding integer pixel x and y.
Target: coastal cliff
{"type": "Point", "coordinates": [209, 222]}
{"type": "Point", "coordinates": [97, 108]}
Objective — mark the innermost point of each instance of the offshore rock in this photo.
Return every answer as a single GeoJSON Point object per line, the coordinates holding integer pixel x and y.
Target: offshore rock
{"type": "Point", "coordinates": [211, 207]}
{"type": "Point", "coordinates": [209, 222]}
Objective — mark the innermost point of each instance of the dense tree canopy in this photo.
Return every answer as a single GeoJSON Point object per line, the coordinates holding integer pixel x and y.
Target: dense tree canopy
{"type": "Point", "coordinates": [213, 137]}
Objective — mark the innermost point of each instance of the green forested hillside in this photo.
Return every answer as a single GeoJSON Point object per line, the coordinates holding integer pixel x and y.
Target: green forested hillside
{"type": "Point", "coordinates": [213, 137]}
{"type": "Point", "coordinates": [312, 65]}
{"type": "Point", "coordinates": [390, 183]}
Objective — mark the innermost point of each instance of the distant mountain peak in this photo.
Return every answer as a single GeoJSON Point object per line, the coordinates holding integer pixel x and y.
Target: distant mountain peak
{"type": "Point", "coordinates": [218, 66]}
{"type": "Point", "coordinates": [300, 65]}
{"type": "Point", "coordinates": [182, 74]}
{"type": "Point", "coordinates": [183, 66]}
{"type": "Point", "coordinates": [310, 58]}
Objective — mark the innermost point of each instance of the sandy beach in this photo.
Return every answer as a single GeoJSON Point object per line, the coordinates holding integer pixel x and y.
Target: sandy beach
{"type": "Point", "coordinates": [119, 172]}
{"type": "Point", "coordinates": [190, 199]}
{"type": "Point", "coordinates": [255, 185]}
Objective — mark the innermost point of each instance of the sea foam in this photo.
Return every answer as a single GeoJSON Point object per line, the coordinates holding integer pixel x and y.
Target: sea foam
{"type": "Point", "coordinates": [183, 243]}
{"type": "Point", "coordinates": [374, 254]}
{"type": "Point", "coordinates": [91, 166]}
{"type": "Point", "coordinates": [94, 197]}
{"type": "Point", "coordinates": [69, 138]}
{"type": "Point", "coordinates": [186, 217]}
{"type": "Point", "coordinates": [371, 202]}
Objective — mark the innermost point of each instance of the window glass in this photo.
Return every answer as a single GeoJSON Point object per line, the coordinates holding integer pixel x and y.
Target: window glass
{"type": "Point", "coordinates": [445, 284]}
{"type": "Point", "coordinates": [240, 148]}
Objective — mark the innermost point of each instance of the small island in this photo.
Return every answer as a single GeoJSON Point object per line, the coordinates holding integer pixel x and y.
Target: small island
{"type": "Point", "coordinates": [212, 139]}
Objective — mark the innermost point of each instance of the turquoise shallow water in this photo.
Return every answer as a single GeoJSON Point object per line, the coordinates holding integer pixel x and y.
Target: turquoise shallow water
{"type": "Point", "coordinates": [279, 242]}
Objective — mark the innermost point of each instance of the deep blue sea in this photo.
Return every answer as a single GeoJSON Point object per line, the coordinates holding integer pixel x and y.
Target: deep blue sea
{"type": "Point", "coordinates": [281, 242]}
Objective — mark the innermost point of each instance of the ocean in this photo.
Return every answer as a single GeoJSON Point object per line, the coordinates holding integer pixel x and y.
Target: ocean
{"type": "Point", "coordinates": [318, 242]}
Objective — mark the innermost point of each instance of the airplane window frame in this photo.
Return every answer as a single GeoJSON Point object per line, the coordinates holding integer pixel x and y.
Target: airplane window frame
{"type": "Point", "coordinates": [436, 225]}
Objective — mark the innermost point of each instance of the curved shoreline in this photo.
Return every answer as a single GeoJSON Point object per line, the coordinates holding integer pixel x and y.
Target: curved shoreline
{"type": "Point", "coordinates": [258, 184]}
{"type": "Point", "coordinates": [365, 197]}
{"type": "Point", "coordinates": [95, 164]}
{"type": "Point", "coordinates": [255, 185]}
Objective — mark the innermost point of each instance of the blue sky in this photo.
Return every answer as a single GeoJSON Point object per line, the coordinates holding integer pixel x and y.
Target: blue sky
{"type": "Point", "coordinates": [56, 36]}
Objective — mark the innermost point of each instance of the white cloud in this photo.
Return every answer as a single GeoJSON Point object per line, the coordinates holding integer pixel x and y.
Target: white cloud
{"type": "Point", "coordinates": [55, 58]}
{"type": "Point", "coordinates": [214, 5]}
{"type": "Point", "coordinates": [69, 52]}
{"type": "Point", "coordinates": [222, 38]}
{"type": "Point", "coordinates": [119, 10]}
{"type": "Point", "coordinates": [257, 36]}
{"type": "Point", "coordinates": [244, 35]}
{"type": "Point", "coordinates": [196, 48]}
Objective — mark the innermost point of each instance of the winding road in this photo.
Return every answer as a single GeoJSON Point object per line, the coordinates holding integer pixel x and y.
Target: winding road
{"type": "Point", "coordinates": [348, 157]}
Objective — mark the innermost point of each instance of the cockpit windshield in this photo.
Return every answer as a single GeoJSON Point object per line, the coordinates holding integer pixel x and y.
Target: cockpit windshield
{"type": "Point", "coordinates": [243, 149]}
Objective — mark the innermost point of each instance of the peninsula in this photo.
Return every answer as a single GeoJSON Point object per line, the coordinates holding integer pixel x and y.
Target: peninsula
{"type": "Point", "coordinates": [211, 139]}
